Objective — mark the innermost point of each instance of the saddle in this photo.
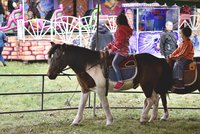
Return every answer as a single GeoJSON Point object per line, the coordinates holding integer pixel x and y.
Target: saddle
{"type": "Point", "coordinates": [190, 74]}
{"type": "Point", "coordinates": [128, 62]}
{"type": "Point", "coordinates": [127, 67]}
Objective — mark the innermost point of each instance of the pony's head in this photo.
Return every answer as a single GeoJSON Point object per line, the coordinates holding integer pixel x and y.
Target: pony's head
{"type": "Point", "coordinates": [56, 58]}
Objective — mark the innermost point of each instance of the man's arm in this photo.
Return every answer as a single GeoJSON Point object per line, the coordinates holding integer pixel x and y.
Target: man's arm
{"type": "Point", "coordinates": [5, 38]}
{"type": "Point", "coordinates": [93, 42]}
{"type": "Point", "coordinates": [162, 44]}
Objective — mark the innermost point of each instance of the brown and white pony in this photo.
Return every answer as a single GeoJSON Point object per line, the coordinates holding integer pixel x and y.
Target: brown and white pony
{"type": "Point", "coordinates": [153, 74]}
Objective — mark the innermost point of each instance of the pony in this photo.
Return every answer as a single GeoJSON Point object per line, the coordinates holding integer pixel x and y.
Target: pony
{"type": "Point", "coordinates": [152, 75]}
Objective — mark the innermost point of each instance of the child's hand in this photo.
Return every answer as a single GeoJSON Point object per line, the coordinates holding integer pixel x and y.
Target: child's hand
{"type": "Point", "coordinates": [109, 51]}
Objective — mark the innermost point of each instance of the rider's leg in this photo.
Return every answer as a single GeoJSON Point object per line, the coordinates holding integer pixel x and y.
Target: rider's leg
{"type": "Point", "coordinates": [117, 59]}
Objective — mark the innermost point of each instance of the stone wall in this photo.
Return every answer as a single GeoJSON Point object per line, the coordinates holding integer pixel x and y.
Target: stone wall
{"type": "Point", "coordinates": [33, 50]}
{"type": "Point", "coordinates": [26, 51]}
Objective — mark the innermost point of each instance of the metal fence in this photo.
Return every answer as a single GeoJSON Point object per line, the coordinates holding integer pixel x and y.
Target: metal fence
{"type": "Point", "coordinates": [91, 105]}
{"type": "Point", "coordinates": [41, 93]}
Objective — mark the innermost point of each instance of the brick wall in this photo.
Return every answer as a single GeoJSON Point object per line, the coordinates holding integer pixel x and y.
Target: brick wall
{"type": "Point", "coordinates": [26, 51]}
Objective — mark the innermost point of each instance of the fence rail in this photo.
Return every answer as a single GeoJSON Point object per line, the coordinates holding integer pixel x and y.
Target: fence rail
{"type": "Point", "coordinates": [89, 106]}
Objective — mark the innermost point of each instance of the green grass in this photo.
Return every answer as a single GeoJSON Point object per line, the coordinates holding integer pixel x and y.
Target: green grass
{"type": "Point", "coordinates": [126, 121]}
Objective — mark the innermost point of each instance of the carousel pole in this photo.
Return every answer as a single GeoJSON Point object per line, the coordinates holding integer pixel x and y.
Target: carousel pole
{"type": "Point", "coordinates": [74, 8]}
{"type": "Point", "coordinates": [23, 19]}
{"type": "Point", "coordinates": [97, 43]}
{"type": "Point", "coordinates": [23, 8]}
{"type": "Point", "coordinates": [97, 40]}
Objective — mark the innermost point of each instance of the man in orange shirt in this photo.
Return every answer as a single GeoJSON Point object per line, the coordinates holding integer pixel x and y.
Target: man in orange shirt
{"type": "Point", "coordinates": [183, 55]}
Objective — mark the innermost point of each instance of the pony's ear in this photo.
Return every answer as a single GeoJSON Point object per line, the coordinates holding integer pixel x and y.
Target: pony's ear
{"type": "Point", "coordinates": [64, 46]}
{"type": "Point", "coordinates": [52, 43]}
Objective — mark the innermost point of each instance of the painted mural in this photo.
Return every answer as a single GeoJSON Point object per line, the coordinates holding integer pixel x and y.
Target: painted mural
{"type": "Point", "coordinates": [111, 7]}
{"type": "Point", "coordinates": [147, 30]}
{"type": "Point", "coordinates": [148, 42]}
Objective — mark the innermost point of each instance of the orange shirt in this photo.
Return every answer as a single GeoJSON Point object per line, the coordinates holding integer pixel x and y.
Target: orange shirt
{"type": "Point", "coordinates": [185, 50]}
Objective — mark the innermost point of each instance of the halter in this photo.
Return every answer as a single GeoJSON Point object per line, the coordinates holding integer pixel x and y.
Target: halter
{"type": "Point", "coordinates": [68, 75]}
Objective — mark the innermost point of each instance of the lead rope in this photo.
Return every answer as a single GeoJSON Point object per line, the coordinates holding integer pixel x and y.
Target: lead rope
{"type": "Point", "coordinates": [106, 72]}
{"type": "Point", "coordinates": [107, 80]}
{"type": "Point", "coordinates": [68, 101]}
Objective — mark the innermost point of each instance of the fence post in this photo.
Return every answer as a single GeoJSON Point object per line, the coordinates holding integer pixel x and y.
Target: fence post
{"type": "Point", "coordinates": [94, 105]}
{"type": "Point", "coordinates": [80, 30]}
{"type": "Point", "coordinates": [42, 94]}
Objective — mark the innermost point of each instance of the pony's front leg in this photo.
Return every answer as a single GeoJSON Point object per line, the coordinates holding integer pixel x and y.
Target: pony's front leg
{"type": "Point", "coordinates": [105, 105]}
{"type": "Point", "coordinates": [79, 116]}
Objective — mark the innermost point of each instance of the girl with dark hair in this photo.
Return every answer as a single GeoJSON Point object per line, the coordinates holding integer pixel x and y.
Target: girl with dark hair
{"type": "Point", "coordinates": [119, 46]}
{"type": "Point", "coordinates": [10, 6]}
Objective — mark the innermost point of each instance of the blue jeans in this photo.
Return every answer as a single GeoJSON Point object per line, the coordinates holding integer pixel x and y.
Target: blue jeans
{"type": "Point", "coordinates": [115, 63]}
{"type": "Point", "coordinates": [1, 57]}
{"type": "Point", "coordinates": [178, 68]}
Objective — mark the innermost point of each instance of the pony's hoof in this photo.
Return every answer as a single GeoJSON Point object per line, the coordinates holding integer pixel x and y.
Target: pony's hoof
{"type": "Point", "coordinates": [143, 123]}
{"type": "Point", "coordinates": [74, 124]}
{"type": "Point", "coordinates": [152, 119]}
{"type": "Point", "coordinates": [108, 123]}
{"type": "Point", "coordinates": [163, 119]}
{"type": "Point", "coordinates": [143, 120]}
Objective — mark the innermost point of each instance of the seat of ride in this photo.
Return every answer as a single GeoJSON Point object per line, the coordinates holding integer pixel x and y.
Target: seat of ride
{"type": "Point", "coordinates": [126, 63]}
{"type": "Point", "coordinates": [189, 74]}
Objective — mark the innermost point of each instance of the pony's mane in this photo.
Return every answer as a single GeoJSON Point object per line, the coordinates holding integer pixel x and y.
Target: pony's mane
{"type": "Point", "coordinates": [78, 48]}
{"type": "Point", "coordinates": [84, 54]}
{"type": "Point", "coordinates": [146, 57]}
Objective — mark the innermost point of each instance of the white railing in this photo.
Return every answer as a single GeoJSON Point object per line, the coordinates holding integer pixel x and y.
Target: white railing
{"type": "Point", "coordinates": [78, 30]}
{"type": "Point", "coordinates": [67, 29]}
{"type": "Point", "coordinates": [192, 21]}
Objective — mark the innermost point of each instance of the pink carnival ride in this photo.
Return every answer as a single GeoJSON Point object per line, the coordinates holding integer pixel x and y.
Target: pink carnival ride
{"type": "Point", "coordinates": [11, 25]}
{"type": "Point", "coordinates": [34, 25]}
{"type": "Point", "coordinates": [17, 14]}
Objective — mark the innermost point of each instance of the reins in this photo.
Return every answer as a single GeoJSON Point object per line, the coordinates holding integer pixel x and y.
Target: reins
{"type": "Point", "coordinates": [68, 75]}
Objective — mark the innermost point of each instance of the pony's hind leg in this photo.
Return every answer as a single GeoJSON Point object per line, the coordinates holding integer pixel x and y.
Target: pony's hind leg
{"type": "Point", "coordinates": [79, 116]}
{"type": "Point", "coordinates": [164, 103]}
{"type": "Point", "coordinates": [147, 106]}
{"type": "Point", "coordinates": [105, 105]}
{"type": "Point", "coordinates": [154, 114]}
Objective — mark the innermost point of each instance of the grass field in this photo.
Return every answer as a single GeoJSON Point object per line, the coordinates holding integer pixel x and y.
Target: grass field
{"type": "Point", "coordinates": [126, 121]}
